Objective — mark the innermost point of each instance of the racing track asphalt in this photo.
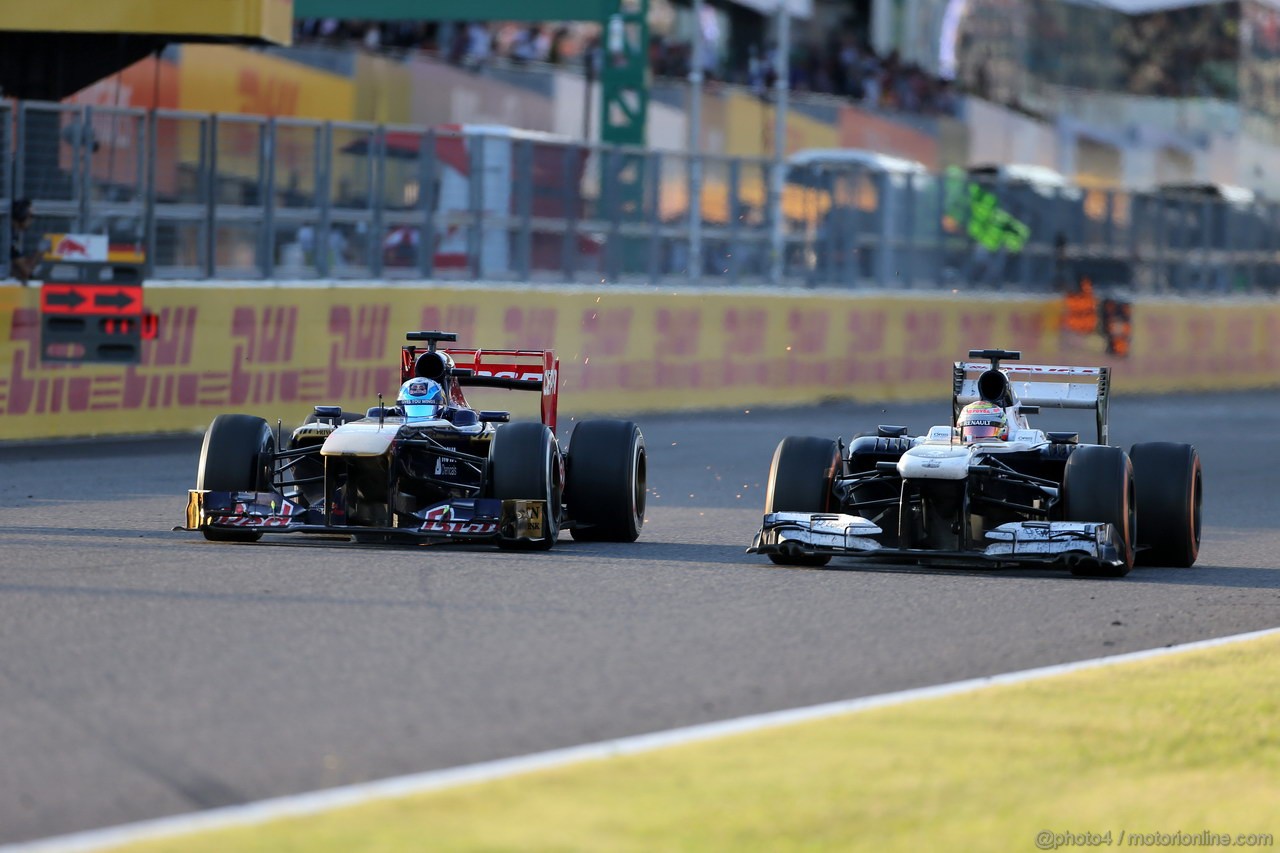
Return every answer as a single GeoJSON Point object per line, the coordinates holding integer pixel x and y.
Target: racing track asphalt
{"type": "Point", "coordinates": [145, 672]}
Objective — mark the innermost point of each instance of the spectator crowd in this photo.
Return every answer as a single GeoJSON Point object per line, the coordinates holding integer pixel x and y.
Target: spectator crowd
{"type": "Point", "coordinates": [844, 66]}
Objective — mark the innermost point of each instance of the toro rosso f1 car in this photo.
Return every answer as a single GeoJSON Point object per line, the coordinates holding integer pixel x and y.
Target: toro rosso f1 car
{"type": "Point", "coordinates": [429, 468]}
{"type": "Point", "coordinates": [988, 489]}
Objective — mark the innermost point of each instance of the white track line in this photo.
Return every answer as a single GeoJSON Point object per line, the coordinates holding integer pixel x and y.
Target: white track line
{"type": "Point", "coordinates": [400, 786]}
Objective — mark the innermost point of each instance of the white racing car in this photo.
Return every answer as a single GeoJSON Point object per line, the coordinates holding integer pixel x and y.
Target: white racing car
{"type": "Point", "coordinates": [988, 488]}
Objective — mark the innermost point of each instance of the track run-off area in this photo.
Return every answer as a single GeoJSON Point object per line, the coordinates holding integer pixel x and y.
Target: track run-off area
{"type": "Point", "coordinates": [148, 672]}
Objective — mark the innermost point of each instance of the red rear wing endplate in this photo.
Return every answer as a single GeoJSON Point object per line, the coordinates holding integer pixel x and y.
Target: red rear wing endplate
{"type": "Point", "coordinates": [532, 370]}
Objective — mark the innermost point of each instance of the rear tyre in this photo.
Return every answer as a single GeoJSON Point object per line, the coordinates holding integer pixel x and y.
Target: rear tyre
{"type": "Point", "coordinates": [525, 464]}
{"type": "Point", "coordinates": [1169, 490]}
{"type": "Point", "coordinates": [606, 481]}
{"type": "Point", "coordinates": [238, 455]}
{"type": "Point", "coordinates": [800, 480]}
{"type": "Point", "coordinates": [1098, 485]}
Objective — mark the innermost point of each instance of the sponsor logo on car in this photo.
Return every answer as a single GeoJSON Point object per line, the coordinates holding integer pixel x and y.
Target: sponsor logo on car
{"type": "Point", "coordinates": [478, 528]}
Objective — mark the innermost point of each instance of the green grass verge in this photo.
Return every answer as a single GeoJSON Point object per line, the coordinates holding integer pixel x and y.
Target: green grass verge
{"type": "Point", "coordinates": [1188, 743]}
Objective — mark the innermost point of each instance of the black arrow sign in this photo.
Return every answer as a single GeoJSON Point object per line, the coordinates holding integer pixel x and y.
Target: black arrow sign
{"type": "Point", "coordinates": [117, 299]}
{"type": "Point", "coordinates": [69, 298]}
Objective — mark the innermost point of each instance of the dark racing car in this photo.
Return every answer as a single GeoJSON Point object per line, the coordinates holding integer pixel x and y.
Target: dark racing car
{"type": "Point", "coordinates": [429, 468]}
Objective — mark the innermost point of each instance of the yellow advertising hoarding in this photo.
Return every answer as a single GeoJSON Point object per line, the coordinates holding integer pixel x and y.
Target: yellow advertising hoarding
{"type": "Point", "coordinates": [266, 20]}
{"type": "Point", "coordinates": [276, 351]}
{"type": "Point", "coordinates": [749, 129]}
{"type": "Point", "coordinates": [383, 90]}
{"type": "Point", "coordinates": [231, 81]}
{"type": "Point", "coordinates": [228, 79]}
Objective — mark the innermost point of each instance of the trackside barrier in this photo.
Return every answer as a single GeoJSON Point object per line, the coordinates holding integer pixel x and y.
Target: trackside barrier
{"type": "Point", "coordinates": [276, 350]}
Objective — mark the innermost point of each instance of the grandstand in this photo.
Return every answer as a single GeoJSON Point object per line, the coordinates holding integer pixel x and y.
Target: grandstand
{"type": "Point", "coordinates": [208, 179]}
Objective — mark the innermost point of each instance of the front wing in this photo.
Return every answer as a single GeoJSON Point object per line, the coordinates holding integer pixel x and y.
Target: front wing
{"type": "Point", "coordinates": [461, 520]}
{"type": "Point", "coordinates": [1065, 543]}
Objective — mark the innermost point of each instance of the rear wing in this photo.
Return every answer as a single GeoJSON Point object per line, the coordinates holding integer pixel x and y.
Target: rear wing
{"type": "Point", "coordinates": [1050, 386]}
{"type": "Point", "coordinates": [513, 369]}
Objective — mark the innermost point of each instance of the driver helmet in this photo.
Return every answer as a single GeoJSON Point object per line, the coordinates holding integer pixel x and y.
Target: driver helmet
{"type": "Point", "coordinates": [983, 421]}
{"type": "Point", "coordinates": [421, 398]}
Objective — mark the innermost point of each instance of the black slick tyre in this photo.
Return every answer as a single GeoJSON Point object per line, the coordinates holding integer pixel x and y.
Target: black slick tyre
{"type": "Point", "coordinates": [1169, 490]}
{"type": "Point", "coordinates": [237, 456]}
{"type": "Point", "coordinates": [1098, 485]}
{"type": "Point", "coordinates": [525, 464]}
{"type": "Point", "coordinates": [800, 480]}
{"type": "Point", "coordinates": [606, 481]}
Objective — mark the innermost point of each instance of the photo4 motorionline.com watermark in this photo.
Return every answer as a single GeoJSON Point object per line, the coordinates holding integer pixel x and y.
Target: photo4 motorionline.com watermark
{"type": "Point", "coordinates": [1050, 840]}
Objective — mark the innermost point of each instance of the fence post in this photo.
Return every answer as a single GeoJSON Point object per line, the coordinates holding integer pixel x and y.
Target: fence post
{"type": "Point", "coordinates": [324, 181]}
{"type": "Point", "coordinates": [427, 197]}
{"type": "Point", "coordinates": [653, 191]}
{"type": "Point", "coordinates": [373, 248]}
{"type": "Point", "coordinates": [475, 204]}
{"type": "Point", "coordinates": [149, 199]}
{"type": "Point", "coordinates": [524, 157]}
{"type": "Point", "coordinates": [7, 193]}
{"type": "Point", "coordinates": [572, 198]}
{"type": "Point", "coordinates": [267, 198]}
{"type": "Point", "coordinates": [20, 128]}
{"type": "Point", "coordinates": [84, 168]}
{"type": "Point", "coordinates": [211, 196]}
{"type": "Point", "coordinates": [612, 203]}
{"type": "Point", "coordinates": [909, 227]}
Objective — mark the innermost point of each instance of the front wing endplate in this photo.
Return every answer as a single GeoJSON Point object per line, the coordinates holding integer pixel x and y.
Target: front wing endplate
{"type": "Point", "coordinates": [481, 519]}
{"type": "Point", "coordinates": [834, 534]}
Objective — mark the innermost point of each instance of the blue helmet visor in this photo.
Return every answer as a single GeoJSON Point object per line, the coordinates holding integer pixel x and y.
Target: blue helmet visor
{"type": "Point", "coordinates": [422, 410]}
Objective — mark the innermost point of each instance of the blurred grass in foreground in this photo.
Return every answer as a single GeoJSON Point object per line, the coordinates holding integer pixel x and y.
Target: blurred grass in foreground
{"type": "Point", "coordinates": [1188, 743]}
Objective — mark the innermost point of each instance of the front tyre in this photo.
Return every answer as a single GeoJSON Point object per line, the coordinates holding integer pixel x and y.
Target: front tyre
{"type": "Point", "coordinates": [1169, 491]}
{"type": "Point", "coordinates": [525, 464]}
{"type": "Point", "coordinates": [801, 478]}
{"type": "Point", "coordinates": [1098, 486]}
{"type": "Point", "coordinates": [606, 481]}
{"type": "Point", "coordinates": [238, 455]}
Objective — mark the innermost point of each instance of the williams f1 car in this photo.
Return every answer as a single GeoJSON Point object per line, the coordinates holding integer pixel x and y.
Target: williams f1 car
{"type": "Point", "coordinates": [991, 492]}
{"type": "Point", "coordinates": [429, 468]}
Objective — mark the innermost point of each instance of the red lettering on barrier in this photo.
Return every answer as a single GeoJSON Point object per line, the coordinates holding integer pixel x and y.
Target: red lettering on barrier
{"type": "Point", "coordinates": [530, 328]}
{"type": "Point", "coordinates": [20, 390]}
{"type": "Point", "coordinates": [25, 328]}
{"type": "Point", "coordinates": [362, 336]}
{"type": "Point", "coordinates": [268, 335]}
{"type": "Point", "coordinates": [272, 96]}
{"type": "Point", "coordinates": [360, 382]}
{"type": "Point", "coordinates": [1158, 334]}
{"type": "Point", "coordinates": [865, 331]}
{"type": "Point", "coordinates": [452, 318]}
{"type": "Point", "coordinates": [745, 329]}
{"type": "Point", "coordinates": [1026, 330]}
{"type": "Point", "coordinates": [607, 332]}
{"type": "Point", "coordinates": [78, 393]}
{"type": "Point", "coordinates": [808, 328]}
{"type": "Point", "coordinates": [1200, 331]}
{"type": "Point", "coordinates": [175, 335]}
{"type": "Point", "coordinates": [680, 375]}
{"type": "Point", "coordinates": [677, 331]}
{"type": "Point", "coordinates": [977, 327]}
{"type": "Point", "coordinates": [924, 331]}
{"type": "Point", "coordinates": [754, 374]}
{"type": "Point", "coordinates": [1271, 338]}
{"type": "Point", "coordinates": [1240, 334]}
